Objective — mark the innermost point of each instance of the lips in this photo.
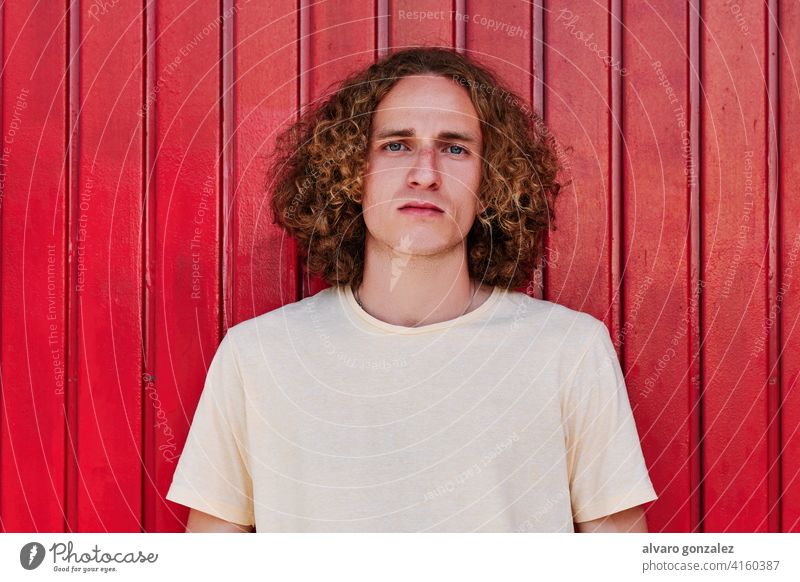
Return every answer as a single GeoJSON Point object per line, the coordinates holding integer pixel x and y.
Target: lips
{"type": "Point", "coordinates": [420, 204]}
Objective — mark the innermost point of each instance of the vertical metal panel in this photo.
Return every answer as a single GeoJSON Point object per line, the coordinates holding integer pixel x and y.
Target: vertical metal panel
{"type": "Point", "coordinates": [499, 36]}
{"type": "Point", "coordinates": [735, 264]}
{"type": "Point", "coordinates": [578, 112]}
{"type": "Point", "coordinates": [151, 498]}
{"type": "Point", "coordinates": [694, 243]}
{"type": "Point", "coordinates": [771, 330]}
{"type": "Point", "coordinates": [264, 260]}
{"type": "Point", "coordinates": [188, 241]}
{"type": "Point", "coordinates": [615, 163]}
{"type": "Point", "coordinates": [787, 314]}
{"type": "Point", "coordinates": [460, 25]}
{"type": "Point", "coordinates": [657, 184]}
{"type": "Point", "coordinates": [422, 23]}
{"type": "Point", "coordinates": [33, 264]}
{"type": "Point", "coordinates": [105, 231]}
{"type": "Point", "coordinates": [382, 30]}
{"type": "Point", "coordinates": [342, 40]}
{"type": "Point", "coordinates": [227, 94]}
{"type": "Point", "coordinates": [72, 194]}
{"type": "Point", "coordinates": [538, 81]}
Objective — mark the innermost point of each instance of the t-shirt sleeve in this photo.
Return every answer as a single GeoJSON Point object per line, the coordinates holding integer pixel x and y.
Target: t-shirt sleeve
{"type": "Point", "coordinates": [607, 472]}
{"type": "Point", "coordinates": [212, 473]}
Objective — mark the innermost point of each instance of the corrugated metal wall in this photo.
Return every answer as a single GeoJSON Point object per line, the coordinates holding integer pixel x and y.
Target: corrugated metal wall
{"type": "Point", "coordinates": [135, 229]}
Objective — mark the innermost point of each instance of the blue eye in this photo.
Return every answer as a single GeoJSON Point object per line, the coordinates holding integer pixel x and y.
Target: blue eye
{"type": "Point", "coordinates": [389, 146]}
{"type": "Point", "coordinates": [392, 143]}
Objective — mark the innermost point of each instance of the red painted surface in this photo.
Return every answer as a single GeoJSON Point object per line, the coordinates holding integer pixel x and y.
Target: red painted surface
{"type": "Point", "coordinates": [657, 266]}
{"type": "Point", "coordinates": [105, 210]}
{"type": "Point", "coordinates": [135, 227]}
{"type": "Point", "coordinates": [789, 261]}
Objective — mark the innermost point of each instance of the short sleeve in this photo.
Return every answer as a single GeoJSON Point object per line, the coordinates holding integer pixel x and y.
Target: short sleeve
{"type": "Point", "coordinates": [607, 472]}
{"type": "Point", "coordinates": [212, 473]}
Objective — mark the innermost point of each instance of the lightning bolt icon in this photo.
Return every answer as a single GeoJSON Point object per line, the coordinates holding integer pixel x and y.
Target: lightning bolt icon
{"type": "Point", "coordinates": [398, 263]}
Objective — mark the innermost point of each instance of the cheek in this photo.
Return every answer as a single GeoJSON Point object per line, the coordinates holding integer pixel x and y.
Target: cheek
{"type": "Point", "coordinates": [466, 218]}
{"type": "Point", "coordinates": [374, 205]}
{"type": "Point", "coordinates": [467, 186]}
{"type": "Point", "coordinates": [477, 169]}
{"type": "Point", "coordinates": [372, 219]}
{"type": "Point", "coordinates": [369, 186]}
{"type": "Point", "coordinates": [372, 192]}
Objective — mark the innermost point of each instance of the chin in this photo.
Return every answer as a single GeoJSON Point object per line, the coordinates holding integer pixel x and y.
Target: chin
{"type": "Point", "coordinates": [415, 241]}
{"type": "Point", "coordinates": [423, 245]}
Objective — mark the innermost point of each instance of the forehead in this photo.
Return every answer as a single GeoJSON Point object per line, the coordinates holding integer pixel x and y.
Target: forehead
{"type": "Point", "coordinates": [428, 102]}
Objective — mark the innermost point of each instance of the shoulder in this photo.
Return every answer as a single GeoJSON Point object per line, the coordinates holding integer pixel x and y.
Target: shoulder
{"type": "Point", "coordinates": [278, 323]}
{"type": "Point", "coordinates": [552, 319]}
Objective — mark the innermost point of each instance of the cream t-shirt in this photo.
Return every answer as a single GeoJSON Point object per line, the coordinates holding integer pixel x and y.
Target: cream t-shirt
{"type": "Point", "coordinates": [318, 417]}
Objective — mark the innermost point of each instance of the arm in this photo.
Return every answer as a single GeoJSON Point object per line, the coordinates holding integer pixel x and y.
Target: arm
{"type": "Point", "coordinates": [200, 522]}
{"type": "Point", "coordinates": [628, 521]}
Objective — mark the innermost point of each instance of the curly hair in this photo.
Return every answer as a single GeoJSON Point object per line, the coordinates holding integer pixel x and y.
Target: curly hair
{"type": "Point", "coordinates": [316, 172]}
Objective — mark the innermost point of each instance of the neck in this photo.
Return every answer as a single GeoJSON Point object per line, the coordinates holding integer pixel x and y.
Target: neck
{"type": "Point", "coordinates": [415, 290]}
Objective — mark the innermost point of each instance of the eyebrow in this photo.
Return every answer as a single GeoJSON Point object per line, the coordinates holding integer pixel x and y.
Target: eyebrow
{"type": "Point", "coordinates": [442, 135]}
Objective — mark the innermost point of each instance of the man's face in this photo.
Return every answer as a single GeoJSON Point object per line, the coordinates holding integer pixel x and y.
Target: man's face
{"type": "Point", "coordinates": [425, 146]}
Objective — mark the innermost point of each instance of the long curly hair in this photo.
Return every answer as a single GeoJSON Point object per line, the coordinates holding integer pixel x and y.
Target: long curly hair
{"type": "Point", "coordinates": [317, 168]}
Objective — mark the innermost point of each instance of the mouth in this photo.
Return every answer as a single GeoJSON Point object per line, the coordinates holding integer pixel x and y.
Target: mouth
{"type": "Point", "coordinates": [421, 208]}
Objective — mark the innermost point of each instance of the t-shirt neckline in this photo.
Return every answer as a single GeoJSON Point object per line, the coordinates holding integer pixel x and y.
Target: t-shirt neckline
{"type": "Point", "coordinates": [478, 312]}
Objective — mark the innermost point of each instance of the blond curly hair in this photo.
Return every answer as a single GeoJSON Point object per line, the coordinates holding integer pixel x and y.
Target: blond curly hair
{"type": "Point", "coordinates": [318, 164]}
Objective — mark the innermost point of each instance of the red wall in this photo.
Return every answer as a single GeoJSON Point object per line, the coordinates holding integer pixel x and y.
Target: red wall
{"type": "Point", "coordinates": [135, 230]}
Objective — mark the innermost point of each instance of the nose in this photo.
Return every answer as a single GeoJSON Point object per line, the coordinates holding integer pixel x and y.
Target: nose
{"type": "Point", "coordinates": [424, 172]}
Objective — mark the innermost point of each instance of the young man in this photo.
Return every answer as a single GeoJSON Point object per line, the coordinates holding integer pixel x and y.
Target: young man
{"type": "Point", "coordinates": [420, 392]}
